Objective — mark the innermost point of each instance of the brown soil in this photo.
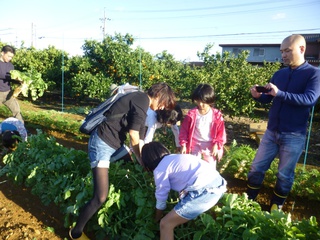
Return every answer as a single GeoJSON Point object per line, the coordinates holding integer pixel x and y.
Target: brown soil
{"type": "Point", "coordinates": [23, 216]}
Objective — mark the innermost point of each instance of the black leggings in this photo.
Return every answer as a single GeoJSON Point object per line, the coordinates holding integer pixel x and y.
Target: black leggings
{"type": "Point", "coordinates": [100, 194]}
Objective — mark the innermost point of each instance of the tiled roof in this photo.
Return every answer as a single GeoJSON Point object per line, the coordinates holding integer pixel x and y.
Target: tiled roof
{"type": "Point", "coordinates": [312, 37]}
{"type": "Point", "coordinates": [313, 60]}
{"type": "Point", "coordinates": [251, 45]}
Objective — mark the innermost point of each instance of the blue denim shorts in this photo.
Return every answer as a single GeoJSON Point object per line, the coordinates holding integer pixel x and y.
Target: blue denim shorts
{"type": "Point", "coordinates": [99, 152]}
{"type": "Point", "coordinates": [196, 202]}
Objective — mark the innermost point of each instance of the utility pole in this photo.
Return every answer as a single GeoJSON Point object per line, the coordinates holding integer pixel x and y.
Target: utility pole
{"type": "Point", "coordinates": [31, 34]}
{"type": "Point", "coordinates": [103, 20]}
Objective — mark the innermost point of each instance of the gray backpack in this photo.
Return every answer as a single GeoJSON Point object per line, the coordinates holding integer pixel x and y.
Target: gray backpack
{"type": "Point", "coordinates": [96, 115]}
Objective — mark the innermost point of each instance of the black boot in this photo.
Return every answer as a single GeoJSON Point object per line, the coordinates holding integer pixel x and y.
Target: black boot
{"type": "Point", "coordinates": [252, 192]}
{"type": "Point", "coordinates": [277, 201]}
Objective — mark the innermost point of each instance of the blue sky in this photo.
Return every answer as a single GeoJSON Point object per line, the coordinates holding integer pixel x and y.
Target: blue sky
{"type": "Point", "coordinates": [180, 27]}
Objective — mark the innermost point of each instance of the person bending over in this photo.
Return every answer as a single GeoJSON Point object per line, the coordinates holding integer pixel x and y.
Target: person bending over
{"type": "Point", "coordinates": [199, 187]}
{"type": "Point", "coordinates": [110, 136]}
{"type": "Point", "coordinates": [12, 131]}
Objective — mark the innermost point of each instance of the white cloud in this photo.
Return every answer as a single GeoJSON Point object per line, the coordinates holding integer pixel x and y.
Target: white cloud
{"type": "Point", "coordinates": [279, 16]}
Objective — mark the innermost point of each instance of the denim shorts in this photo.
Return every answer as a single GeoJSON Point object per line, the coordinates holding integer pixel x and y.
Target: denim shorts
{"type": "Point", "coordinates": [99, 151]}
{"type": "Point", "coordinates": [196, 202]}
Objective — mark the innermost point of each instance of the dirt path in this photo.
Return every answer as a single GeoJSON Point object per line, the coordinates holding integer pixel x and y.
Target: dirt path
{"type": "Point", "coordinates": [23, 216]}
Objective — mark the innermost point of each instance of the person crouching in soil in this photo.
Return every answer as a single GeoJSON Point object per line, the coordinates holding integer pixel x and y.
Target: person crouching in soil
{"type": "Point", "coordinates": [199, 186]}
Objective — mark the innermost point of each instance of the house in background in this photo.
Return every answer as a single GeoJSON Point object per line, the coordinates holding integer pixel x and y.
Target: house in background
{"type": "Point", "coordinates": [258, 52]}
{"type": "Point", "coordinates": [313, 48]}
{"type": "Point", "coordinates": [271, 52]}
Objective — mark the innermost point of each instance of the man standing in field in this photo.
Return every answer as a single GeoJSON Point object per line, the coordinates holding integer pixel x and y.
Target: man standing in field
{"type": "Point", "coordinates": [293, 91]}
{"type": "Point", "coordinates": [6, 93]}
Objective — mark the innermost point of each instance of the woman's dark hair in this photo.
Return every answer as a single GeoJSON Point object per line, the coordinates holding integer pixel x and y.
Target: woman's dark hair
{"type": "Point", "coordinates": [203, 93]}
{"type": "Point", "coordinates": [164, 93]}
{"type": "Point", "coordinates": [10, 139]}
{"type": "Point", "coordinates": [169, 116]}
{"type": "Point", "coordinates": [152, 154]}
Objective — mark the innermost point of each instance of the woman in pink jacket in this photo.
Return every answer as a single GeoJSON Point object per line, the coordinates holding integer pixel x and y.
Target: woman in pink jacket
{"type": "Point", "coordinates": [202, 132]}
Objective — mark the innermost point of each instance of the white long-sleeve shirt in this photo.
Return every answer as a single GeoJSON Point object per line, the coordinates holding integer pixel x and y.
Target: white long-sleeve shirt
{"type": "Point", "coordinates": [153, 125]}
{"type": "Point", "coordinates": [181, 172]}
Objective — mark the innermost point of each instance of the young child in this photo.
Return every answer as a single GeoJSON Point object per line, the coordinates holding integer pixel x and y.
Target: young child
{"type": "Point", "coordinates": [202, 132]}
{"type": "Point", "coordinates": [12, 131]}
{"type": "Point", "coordinates": [159, 118]}
{"type": "Point", "coordinates": [199, 187]}
{"type": "Point", "coordinates": [10, 140]}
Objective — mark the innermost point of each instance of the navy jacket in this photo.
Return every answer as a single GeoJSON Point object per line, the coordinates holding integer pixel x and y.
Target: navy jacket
{"type": "Point", "coordinates": [299, 90]}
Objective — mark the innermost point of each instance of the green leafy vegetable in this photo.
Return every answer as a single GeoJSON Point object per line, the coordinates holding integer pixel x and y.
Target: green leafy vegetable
{"type": "Point", "coordinates": [30, 83]}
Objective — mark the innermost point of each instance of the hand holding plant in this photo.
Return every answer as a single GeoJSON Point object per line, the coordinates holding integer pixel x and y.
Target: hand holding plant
{"type": "Point", "coordinates": [31, 83]}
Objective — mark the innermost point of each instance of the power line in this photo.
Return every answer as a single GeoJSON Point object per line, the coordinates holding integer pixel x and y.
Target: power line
{"type": "Point", "coordinates": [196, 9]}
{"type": "Point", "coordinates": [6, 29]}
{"type": "Point", "coordinates": [227, 35]}
{"type": "Point", "coordinates": [201, 36]}
{"type": "Point", "coordinates": [286, 6]}
{"type": "Point", "coordinates": [9, 33]}
{"type": "Point", "coordinates": [264, 9]}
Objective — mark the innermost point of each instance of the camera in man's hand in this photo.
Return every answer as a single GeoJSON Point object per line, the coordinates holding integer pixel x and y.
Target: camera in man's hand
{"type": "Point", "coordinates": [262, 89]}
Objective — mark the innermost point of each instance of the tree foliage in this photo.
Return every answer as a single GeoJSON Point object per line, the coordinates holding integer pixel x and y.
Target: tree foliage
{"type": "Point", "coordinates": [114, 61]}
{"type": "Point", "coordinates": [47, 62]}
{"type": "Point", "coordinates": [232, 76]}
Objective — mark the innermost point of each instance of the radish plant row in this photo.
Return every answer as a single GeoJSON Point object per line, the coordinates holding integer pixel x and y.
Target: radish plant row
{"type": "Point", "coordinates": [62, 176]}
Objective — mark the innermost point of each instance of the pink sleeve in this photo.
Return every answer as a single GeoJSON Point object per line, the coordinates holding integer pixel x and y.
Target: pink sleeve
{"type": "Point", "coordinates": [220, 133]}
{"type": "Point", "coordinates": [184, 130]}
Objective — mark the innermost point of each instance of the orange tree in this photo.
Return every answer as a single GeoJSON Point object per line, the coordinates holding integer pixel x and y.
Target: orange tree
{"type": "Point", "coordinates": [107, 62]}
{"type": "Point", "coordinates": [165, 69]}
{"type": "Point", "coordinates": [43, 67]}
{"type": "Point", "coordinates": [232, 76]}
{"type": "Point", "coordinates": [47, 62]}
{"type": "Point", "coordinates": [114, 60]}
{"type": "Point", "coordinates": [181, 76]}
{"type": "Point", "coordinates": [98, 67]}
